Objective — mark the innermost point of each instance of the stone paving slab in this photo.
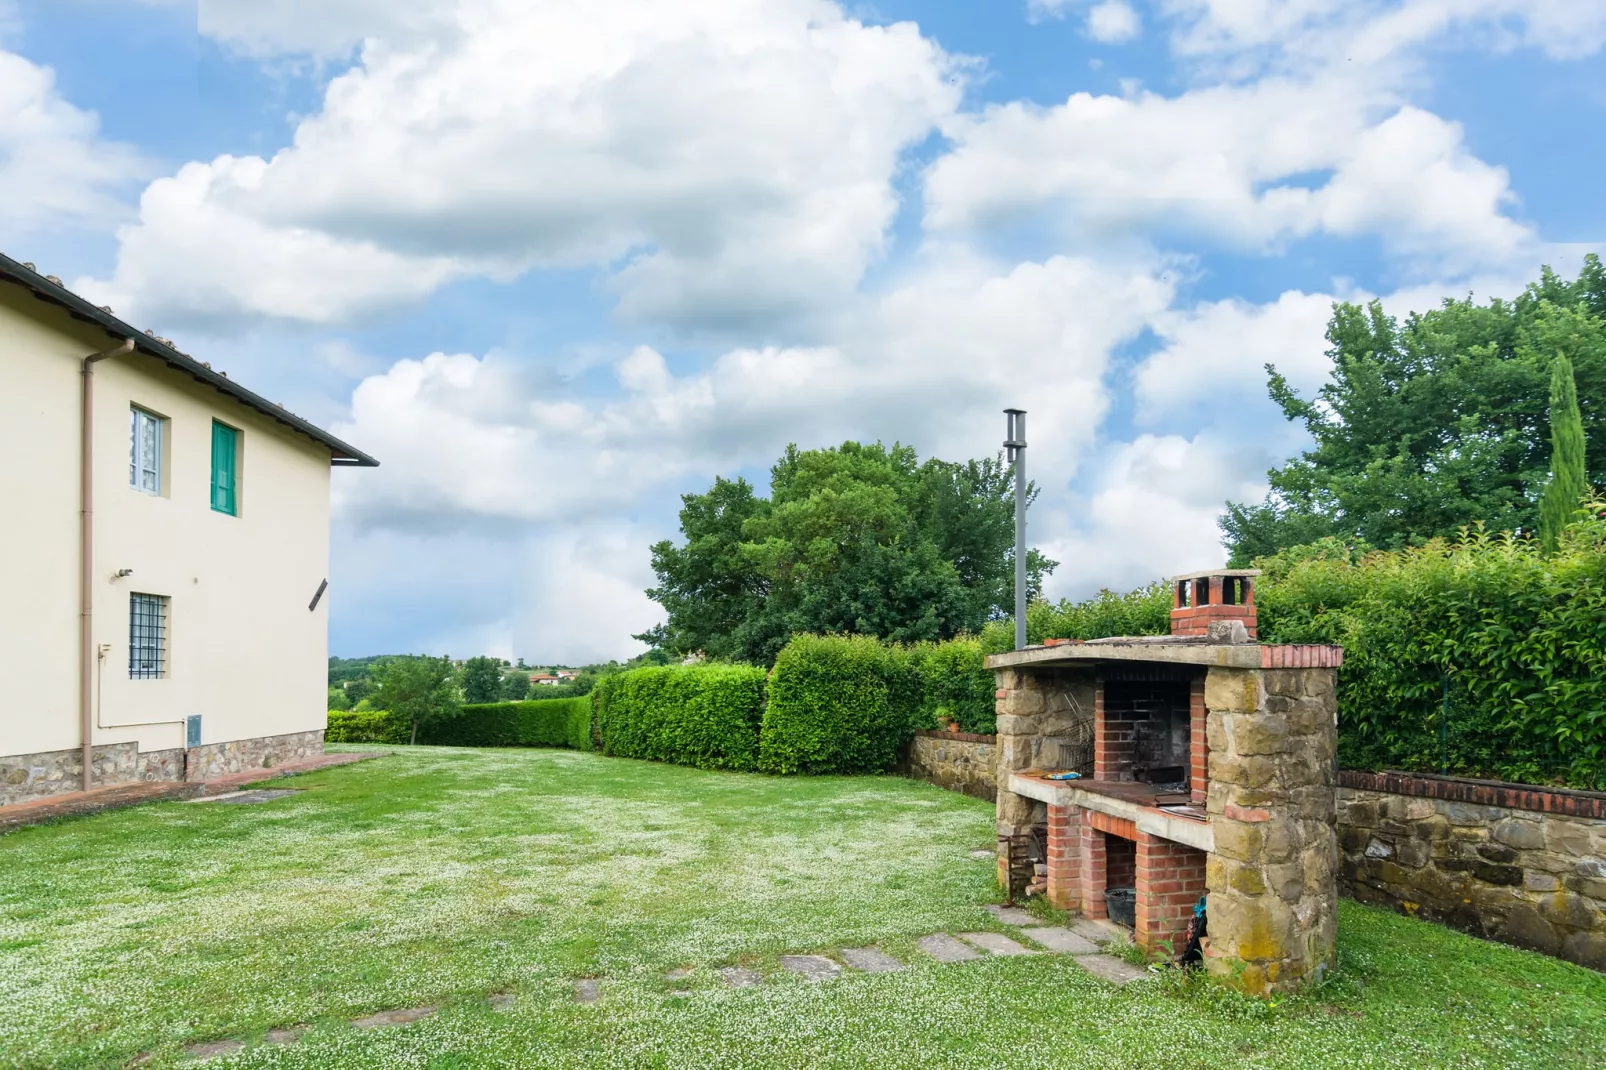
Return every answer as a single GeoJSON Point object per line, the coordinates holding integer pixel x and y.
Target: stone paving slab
{"type": "Point", "coordinates": [1094, 931]}
{"type": "Point", "coordinates": [1112, 969]}
{"type": "Point", "coordinates": [502, 1001]}
{"type": "Point", "coordinates": [811, 967]}
{"type": "Point", "coordinates": [984, 854]}
{"type": "Point", "coordinates": [586, 990]}
{"type": "Point", "coordinates": [679, 973]}
{"type": "Point", "coordinates": [871, 960]}
{"type": "Point", "coordinates": [69, 803]}
{"type": "Point", "coordinates": [284, 1035]}
{"type": "Point", "coordinates": [945, 948]}
{"type": "Point", "coordinates": [741, 977]}
{"type": "Point", "coordinates": [389, 1018]}
{"type": "Point", "coordinates": [212, 1049]}
{"type": "Point", "coordinates": [1010, 915]}
{"type": "Point", "coordinates": [995, 943]}
{"type": "Point", "coordinates": [260, 795]}
{"type": "Point", "coordinates": [1060, 939]}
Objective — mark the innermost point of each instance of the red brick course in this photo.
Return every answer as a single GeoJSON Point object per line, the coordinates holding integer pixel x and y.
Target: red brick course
{"type": "Point", "coordinates": [1170, 880]}
{"type": "Point", "coordinates": [113, 796]}
{"type": "Point", "coordinates": [1572, 803]}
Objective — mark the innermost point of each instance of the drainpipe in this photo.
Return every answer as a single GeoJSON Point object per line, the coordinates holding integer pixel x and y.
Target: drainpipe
{"type": "Point", "coordinates": [86, 550]}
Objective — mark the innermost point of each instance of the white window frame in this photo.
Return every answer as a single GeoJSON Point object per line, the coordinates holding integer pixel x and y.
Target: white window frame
{"type": "Point", "coordinates": [138, 463]}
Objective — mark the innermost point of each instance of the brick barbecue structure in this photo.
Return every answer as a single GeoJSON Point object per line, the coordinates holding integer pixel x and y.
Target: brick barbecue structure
{"type": "Point", "coordinates": [1211, 773]}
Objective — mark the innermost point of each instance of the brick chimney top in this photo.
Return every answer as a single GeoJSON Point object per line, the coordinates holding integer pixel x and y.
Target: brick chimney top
{"type": "Point", "coordinates": [1199, 599]}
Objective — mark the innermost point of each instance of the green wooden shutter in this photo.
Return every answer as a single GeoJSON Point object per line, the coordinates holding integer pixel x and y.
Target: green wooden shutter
{"type": "Point", "coordinates": [224, 475]}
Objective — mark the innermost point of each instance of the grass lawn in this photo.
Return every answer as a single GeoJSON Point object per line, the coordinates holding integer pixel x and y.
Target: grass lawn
{"type": "Point", "coordinates": [442, 876]}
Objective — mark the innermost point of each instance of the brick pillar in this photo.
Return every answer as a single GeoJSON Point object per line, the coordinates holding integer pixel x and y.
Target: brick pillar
{"type": "Point", "coordinates": [1198, 742]}
{"type": "Point", "coordinates": [1170, 880]}
{"type": "Point", "coordinates": [1065, 856]}
{"type": "Point", "coordinates": [1103, 763]}
{"type": "Point", "coordinates": [1094, 873]}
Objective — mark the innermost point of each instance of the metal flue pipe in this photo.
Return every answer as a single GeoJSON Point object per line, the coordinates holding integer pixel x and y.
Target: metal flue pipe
{"type": "Point", "coordinates": [1015, 447]}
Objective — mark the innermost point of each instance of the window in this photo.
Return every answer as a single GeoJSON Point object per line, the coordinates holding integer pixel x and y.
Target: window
{"type": "Point", "coordinates": [225, 469]}
{"type": "Point", "coordinates": [147, 637]}
{"type": "Point", "coordinates": [145, 451]}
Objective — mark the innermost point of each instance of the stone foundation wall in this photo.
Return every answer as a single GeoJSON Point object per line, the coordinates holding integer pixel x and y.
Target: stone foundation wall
{"type": "Point", "coordinates": [32, 776]}
{"type": "Point", "coordinates": [1522, 876]}
{"type": "Point", "coordinates": [213, 760]}
{"type": "Point", "coordinates": [959, 761]}
{"type": "Point", "coordinates": [1273, 877]}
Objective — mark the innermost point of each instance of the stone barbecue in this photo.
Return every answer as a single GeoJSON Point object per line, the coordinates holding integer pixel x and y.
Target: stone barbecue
{"type": "Point", "coordinates": [1207, 769]}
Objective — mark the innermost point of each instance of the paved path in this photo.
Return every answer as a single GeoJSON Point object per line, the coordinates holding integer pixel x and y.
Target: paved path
{"type": "Point", "coordinates": [69, 803]}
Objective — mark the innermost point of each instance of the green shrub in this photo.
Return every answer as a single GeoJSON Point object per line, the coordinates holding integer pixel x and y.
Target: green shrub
{"type": "Point", "coordinates": [553, 722]}
{"type": "Point", "coordinates": [1145, 611]}
{"type": "Point", "coordinates": [366, 726]}
{"type": "Point", "coordinates": [706, 716]}
{"type": "Point", "coordinates": [1510, 642]}
{"type": "Point", "coordinates": [840, 704]}
{"type": "Point", "coordinates": [954, 683]}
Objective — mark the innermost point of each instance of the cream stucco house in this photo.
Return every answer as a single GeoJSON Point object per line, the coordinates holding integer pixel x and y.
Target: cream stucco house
{"type": "Point", "coordinates": [167, 612]}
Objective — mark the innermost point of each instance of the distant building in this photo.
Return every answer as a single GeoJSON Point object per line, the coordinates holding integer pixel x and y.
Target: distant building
{"type": "Point", "coordinates": [545, 678]}
{"type": "Point", "coordinates": [169, 553]}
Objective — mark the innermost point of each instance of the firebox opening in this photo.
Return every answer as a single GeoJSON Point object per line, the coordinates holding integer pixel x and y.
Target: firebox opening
{"type": "Point", "coordinates": [1147, 730]}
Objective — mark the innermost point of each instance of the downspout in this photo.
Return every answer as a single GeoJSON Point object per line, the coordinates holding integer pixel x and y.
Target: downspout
{"type": "Point", "coordinates": [86, 551]}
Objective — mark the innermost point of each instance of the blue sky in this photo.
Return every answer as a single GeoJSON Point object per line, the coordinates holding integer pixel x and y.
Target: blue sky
{"type": "Point", "coordinates": [556, 263]}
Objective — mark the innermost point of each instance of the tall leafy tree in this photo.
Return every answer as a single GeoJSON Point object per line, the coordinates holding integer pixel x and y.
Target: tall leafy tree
{"type": "Point", "coordinates": [421, 690]}
{"type": "Point", "coordinates": [1433, 424]}
{"type": "Point", "coordinates": [1568, 480]}
{"type": "Point", "coordinates": [515, 686]}
{"type": "Point", "coordinates": [860, 539]}
{"type": "Point", "coordinates": [482, 679]}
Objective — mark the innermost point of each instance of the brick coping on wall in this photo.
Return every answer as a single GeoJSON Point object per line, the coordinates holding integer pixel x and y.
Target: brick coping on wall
{"type": "Point", "coordinates": [1568, 801]}
{"type": "Point", "coordinates": [963, 737]}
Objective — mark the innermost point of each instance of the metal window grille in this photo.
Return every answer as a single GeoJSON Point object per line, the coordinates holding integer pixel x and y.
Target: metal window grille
{"type": "Point", "coordinates": [147, 636]}
{"type": "Point", "coordinates": [145, 451]}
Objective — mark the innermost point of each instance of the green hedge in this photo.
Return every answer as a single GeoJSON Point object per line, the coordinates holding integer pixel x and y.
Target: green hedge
{"type": "Point", "coordinates": [1145, 611]}
{"type": "Point", "coordinates": [366, 726]}
{"type": "Point", "coordinates": [548, 722]}
{"type": "Point", "coordinates": [955, 683]}
{"type": "Point", "coordinates": [1480, 657]}
{"type": "Point", "coordinates": [555, 722]}
{"type": "Point", "coordinates": [840, 704]}
{"type": "Point", "coordinates": [706, 716]}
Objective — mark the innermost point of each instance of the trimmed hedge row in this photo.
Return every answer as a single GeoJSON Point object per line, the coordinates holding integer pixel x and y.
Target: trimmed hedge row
{"type": "Point", "coordinates": [839, 704]}
{"type": "Point", "coordinates": [366, 726]}
{"type": "Point", "coordinates": [706, 716]}
{"type": "Point", "coordinates": [557, 722]}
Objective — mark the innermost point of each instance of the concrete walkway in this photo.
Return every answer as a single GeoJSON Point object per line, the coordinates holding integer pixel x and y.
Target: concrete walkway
{"type": "Point", "coordinates": [69, 803]}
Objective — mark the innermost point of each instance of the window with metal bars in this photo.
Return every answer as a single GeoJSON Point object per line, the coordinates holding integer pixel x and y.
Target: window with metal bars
{"type": "Point", "coordinates": [145, 451]}
{"type": "Point", "coordinates": [147, 636]}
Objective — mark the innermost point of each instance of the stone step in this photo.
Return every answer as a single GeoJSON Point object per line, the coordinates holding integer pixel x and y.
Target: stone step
{"type": "Point", "coordinates": [1060, 939]}
{"type": "Point", "coordinates": [586, 990]}
{"type": "Point", "coordinates": [811, 967]}
{"type": "Point", "coordinates": [1010, 915]}
{"type": "Point", "coordinates": [389, 1018]}
{"type": "Point", "coordinates": [945, 948]}
{"type": "Point", "coordinates": [870, 960]}
{"type": "Point", "coordinates": [1098, 931]}
{"type": "Point", "coordinates": [741, 976]}
{"type": "Point", "coordinates": [995, 943]}
{"type": "Point", "coordinates": [1112, 969]}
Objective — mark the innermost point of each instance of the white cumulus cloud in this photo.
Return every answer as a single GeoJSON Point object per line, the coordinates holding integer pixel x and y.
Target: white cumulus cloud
{"type": "Point", "coordinates": [731, 161]}
{"type": "Point", "coordinates": [1113, 22]}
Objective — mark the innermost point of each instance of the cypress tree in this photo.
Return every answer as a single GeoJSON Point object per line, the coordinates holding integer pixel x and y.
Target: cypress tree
{"type": "Point", "coordinates": [1567, 479]}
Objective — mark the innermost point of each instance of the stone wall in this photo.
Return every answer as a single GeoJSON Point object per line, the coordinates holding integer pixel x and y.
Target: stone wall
{"type": "Point", "coordinates": [1523, 872]}
{"type": "Point", "coordinates": [32, 776]}
{"type": "Point", "coordinates": [959, 761]}
{"type": "Point", "coordinates": [1272, 880]}
{"type": "Point", "coordinates": [1041, 715]}
{"type": "Point", "coordinates": [237, 756]}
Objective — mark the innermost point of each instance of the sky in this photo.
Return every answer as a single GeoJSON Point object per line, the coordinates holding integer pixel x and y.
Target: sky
{"type": "Point", "coordinates": [558, 262]}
